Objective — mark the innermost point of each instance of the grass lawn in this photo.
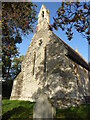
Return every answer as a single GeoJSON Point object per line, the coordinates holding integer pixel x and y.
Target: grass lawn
{"type": "Point", "coordinates": [23, 110]}
{"type": "Point", "coordinates": [17, 110]}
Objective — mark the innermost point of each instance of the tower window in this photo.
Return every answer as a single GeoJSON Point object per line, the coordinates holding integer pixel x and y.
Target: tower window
{"type": "Point", "coordinates": [43, 14]}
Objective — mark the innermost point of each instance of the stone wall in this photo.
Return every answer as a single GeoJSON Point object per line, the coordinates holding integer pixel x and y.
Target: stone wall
{"type": "Point", "coordinates": [63, 79]}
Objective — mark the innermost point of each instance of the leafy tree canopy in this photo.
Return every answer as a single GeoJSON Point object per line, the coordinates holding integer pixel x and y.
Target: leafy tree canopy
{"type": "Point", "coordinates": [17, 18]}
{"type": "Point", "coordinates": [73, 15]}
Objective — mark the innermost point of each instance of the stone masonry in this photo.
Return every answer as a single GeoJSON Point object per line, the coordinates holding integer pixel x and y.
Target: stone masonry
{"type": "Point", "coordinates": [50, 66]}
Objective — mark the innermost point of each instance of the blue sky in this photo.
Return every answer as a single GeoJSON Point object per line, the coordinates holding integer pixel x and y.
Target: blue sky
{"type": "Point", "coordinates": [77, 42]}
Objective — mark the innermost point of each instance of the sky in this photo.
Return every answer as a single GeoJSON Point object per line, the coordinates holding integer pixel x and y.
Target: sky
{"type": "Point", "coordinates": [77, 42]}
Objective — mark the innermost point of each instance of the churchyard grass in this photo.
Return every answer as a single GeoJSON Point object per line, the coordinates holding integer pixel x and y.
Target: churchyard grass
{"type": "Point", "coordinates": [17, 110]}
{"type": "Point", "coordinates": [23, 110]}
{"type": "Point", "coordinates": [81, 112]}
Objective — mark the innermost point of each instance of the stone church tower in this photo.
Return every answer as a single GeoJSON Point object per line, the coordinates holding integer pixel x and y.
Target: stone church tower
{"type": "Point", "coordinates": [50, 66]}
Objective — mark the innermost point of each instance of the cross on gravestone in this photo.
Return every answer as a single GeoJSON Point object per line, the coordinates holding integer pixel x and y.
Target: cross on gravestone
{"type": "Point", "coordinates": [43, 108]}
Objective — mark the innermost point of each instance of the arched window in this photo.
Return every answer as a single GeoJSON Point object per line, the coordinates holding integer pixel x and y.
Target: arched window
{"type": "Point", "coordinates": [34, 63]}
{"type": "Point", "coordinates": [45, 55]}
{"type": "Point", "coordinates": [40, 42]}
{"type": "Point", "coordinates": [75, 69]}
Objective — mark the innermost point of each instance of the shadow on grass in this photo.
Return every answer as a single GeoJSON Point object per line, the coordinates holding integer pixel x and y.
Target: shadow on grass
{"type": "Point", "coordinates": [74, 113]}
{"type": "Point", "coordinates": [20, 113]}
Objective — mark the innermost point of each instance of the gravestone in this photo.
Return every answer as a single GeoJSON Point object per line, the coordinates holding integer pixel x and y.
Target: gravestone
{"type": "Point", "coordinates": [43, 108]}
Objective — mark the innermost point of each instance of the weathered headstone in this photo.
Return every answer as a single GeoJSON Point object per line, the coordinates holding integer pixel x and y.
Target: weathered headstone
{"type": "Point", "coordinates": [43, 108]}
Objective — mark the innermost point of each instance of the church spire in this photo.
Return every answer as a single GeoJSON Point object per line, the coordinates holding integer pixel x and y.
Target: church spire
{"type": "Point", "coordinates": [43, 14]}
{"type": "Point", "coordinates": [43, 19]}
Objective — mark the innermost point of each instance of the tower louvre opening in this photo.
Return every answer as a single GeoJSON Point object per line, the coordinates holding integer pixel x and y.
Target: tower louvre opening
{"type": "Point", "coordinates": [43, 14]}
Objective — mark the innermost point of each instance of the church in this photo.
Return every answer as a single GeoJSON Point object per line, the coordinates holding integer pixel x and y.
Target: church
{"type": "Point", "coordinates": [50, 66]}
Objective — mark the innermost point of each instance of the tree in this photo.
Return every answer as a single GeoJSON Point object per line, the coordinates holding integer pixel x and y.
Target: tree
{"type": "Point", "coordinates": [16, 66]}
{"type": "Point", "coordinates": [73, 15]}
{"type": "Point", "coordinates": [14, 71]}
{"type": "Point", "coordinates": [9, 51]}
{"type": "Point", "coordinates": [17, 18]}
